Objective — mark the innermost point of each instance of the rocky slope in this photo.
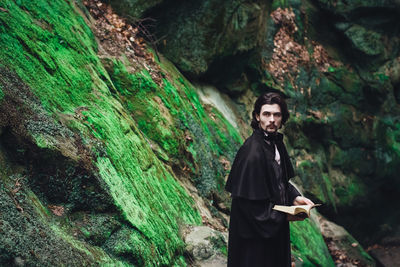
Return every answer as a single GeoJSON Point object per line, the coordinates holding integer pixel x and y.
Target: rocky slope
{"type": "Point", "coordinates": [337, 61]}
{"type": "Point", "coordinates": [112, 149]}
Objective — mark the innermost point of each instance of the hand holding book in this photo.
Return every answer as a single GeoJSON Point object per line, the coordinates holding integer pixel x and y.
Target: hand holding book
{"type": "Point", "coordinates": [299, 211]}
{"type": "Point", "coordinates": [300, 200]}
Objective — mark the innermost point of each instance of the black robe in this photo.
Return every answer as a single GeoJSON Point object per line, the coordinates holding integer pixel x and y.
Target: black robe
{"type": "Point", "coordinates": [258, 235]}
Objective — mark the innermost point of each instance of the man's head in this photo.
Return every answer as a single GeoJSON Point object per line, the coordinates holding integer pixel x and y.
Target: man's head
{"type": "Point", "coordinates": [270, 112]}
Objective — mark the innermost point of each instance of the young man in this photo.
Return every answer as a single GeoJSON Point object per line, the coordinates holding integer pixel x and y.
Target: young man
{"type": "Point", "coordinates": [259, 179]}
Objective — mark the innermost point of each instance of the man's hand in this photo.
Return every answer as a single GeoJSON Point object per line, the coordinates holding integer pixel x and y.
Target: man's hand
{"type": "Point", "coordinates": [300, 200]}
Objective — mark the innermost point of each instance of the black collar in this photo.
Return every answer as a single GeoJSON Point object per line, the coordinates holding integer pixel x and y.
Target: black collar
{"type": "Point", "coordinates": [274, 137]}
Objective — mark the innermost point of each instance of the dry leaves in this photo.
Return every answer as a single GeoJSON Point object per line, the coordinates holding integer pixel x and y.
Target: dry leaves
{"type": "Point", "coordinates": [14, 193]}
{"type": "Point", "coordinates": [321, 58]}
{"type": "Point", "coordinates": [212, 116]}
{"type": "Point", "coordinates": [316, 114]}
{"type": "Point", "coordinates": [110, 27]}
{"type": "Point", "coordinates": [225, 163]}
{"type": "Point", "coordinates": [57, 210]}
{"type": "Point", "coordinates": [188, 138]}
{"type": "Point", "coordinates": [340, 257]}
{"type": "Point", "coordinates": [288, 54]}
{"type": "Point", "coordinates": [119, 37]}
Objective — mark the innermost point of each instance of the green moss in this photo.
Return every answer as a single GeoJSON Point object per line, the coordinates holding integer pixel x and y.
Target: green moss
{"type": "Point", "coordinates": [316, 182]}
{"type": "Point", "coordinates": [382, 77]}
{"type": "Point", "coordinates": [1, 94]}
{"type": "Point", "coordinates": [172, 116]}
{"type": "Point", "coordinates": [329, 190]}
{"type": "Point", "coordinates": [393, 137]}
{"type": "Point", "coordinates": [308, 244]}
{"type": "Point", "coordinates": [41, 141]}
{"type": "Point", "coordinates": [94, 228]}
{"type": "Point", "coordinates": [350, 194]}
{"type": "Point", "coordinates": [366, 41]}
{"type": "Point", "coordinates": [52, 49]}
{"type": "Point", "coordinates": [56, 36]}
{"type": "Point", "coordinates": [131, 84]}
{"type": "Point", "coordinates": [354, 160]}
{"type": "Point", "coordinates": [218, 242]}
{"type": "Point", "coordinates": [280, 3]}
{"type": "Point", "coordinates": [120, 116]}
{"type": "Point", "coordinates": [142, 94]}
{"type": "Point", "coordinates": [34, 235]}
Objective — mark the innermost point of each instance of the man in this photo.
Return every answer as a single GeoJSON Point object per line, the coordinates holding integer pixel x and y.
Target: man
{"type": "Point", "coordinates": [259, 179]}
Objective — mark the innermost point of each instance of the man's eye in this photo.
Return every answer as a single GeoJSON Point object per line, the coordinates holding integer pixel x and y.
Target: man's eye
{"type": "Point", "coordinates": [278, 114]}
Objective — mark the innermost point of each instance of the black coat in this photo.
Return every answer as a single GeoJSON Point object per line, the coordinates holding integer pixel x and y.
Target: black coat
{"type": "Point", "coordinates": [258, 235]}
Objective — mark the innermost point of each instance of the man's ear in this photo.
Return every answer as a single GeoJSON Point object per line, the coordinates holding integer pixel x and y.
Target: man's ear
{"type": "Point", "coordinates": [257, 117]}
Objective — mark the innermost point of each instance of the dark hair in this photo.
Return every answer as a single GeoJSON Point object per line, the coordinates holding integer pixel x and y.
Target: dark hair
{"type": "Point", "coordinates": [269, 98]}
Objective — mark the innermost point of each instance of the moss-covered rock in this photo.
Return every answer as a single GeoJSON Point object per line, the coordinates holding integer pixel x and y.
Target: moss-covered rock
{"type": "Point", "coordinates": [198, 32]}
{"type": "Point", "coordinates": [368, 42]}
{"type": "Point", "coordinates": [31, 233]}
{"type": "Point", "coordinates": [334, 132]}
{"type": "Point", "coordinates": [97, 145]}
{"type": "Point", "coordinates": [68, 80]}
{"type": "Point", "coordinates": [343, 246]}
{"type": "Point", "coordinates": [347, 8]}
{"type": "Point", "coordinates": [308, 246]}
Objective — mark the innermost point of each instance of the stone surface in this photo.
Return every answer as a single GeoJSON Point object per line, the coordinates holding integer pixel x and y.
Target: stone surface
{"type": "Point", "coordinates": [212, 40]}
{"type": "Point", "coordinates": [308, 246]}
{"type": "Point", "coordinates": [105, 145]}
{"type": "Point", "coordinates": [386, 256]}
{"type": "Point", "coordinates": [196, 33]}
{"type": "Point", "coordinates": [133, 10]}
{"type": "Point", "coordinates": [368, 42]}
{"type": "Point", "coordinates": [345, 249]}
{"type": "Point", "coordinates": [207, 246]}
{"type": "Point", "coordinates": [351, 7]}
{"type": "Point", "coordinates": [210, 95]}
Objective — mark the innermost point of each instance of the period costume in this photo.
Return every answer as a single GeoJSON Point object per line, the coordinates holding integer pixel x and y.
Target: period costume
{"type": "Point", "coordinates": [259, 179]}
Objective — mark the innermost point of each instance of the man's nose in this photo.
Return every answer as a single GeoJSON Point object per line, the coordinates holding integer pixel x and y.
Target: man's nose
{"type": "Point", "coordinates": [271, 118]}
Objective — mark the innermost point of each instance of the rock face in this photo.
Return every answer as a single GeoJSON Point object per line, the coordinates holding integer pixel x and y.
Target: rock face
{"type": "Point", "coordinates": [134, 10]}
{"type": "Point", "coordinates": [344, 248]}
{"type": "Point", "coordinates": [206, 246]}
{"type": "Point", "coordinates": [213, 40]}
{"type": "Point", "coordinates": [105, 145]}
{"type": "Point", "coordinates": [308, 246]}
{"type": "Point", "coordinates": [337, 61]}
{"type": "Point", "coordinates": [83, 182]}
{"type": "Point", "coordinates": [341, 131]}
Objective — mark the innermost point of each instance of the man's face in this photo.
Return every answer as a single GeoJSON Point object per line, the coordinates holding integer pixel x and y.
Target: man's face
{"type": "Point", "coordinates": [270, 118]}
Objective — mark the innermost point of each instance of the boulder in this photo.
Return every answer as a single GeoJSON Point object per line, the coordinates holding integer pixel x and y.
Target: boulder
{"type": "Point", "coordinates": [366, 41]}
{"type": "Point", "coordinates": [206, 246]}
{"type": "Point", "coordinates": [346, 251]}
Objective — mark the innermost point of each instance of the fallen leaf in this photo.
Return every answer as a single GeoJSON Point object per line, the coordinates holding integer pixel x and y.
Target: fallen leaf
{"type": "Point", "coordinates": [57, 210]}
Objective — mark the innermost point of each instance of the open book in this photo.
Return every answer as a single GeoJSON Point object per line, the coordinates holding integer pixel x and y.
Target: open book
{"type": "Point", "coordinates": [300, 210]}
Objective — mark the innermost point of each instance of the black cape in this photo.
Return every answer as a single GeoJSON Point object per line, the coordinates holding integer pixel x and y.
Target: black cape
{"type": "Point", "coordinates": [258, 235]}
